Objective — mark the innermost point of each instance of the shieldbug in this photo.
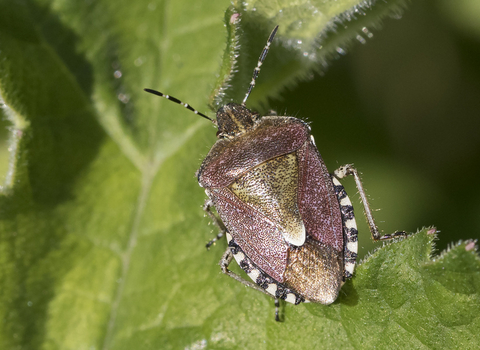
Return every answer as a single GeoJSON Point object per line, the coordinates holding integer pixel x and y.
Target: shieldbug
{"type": "Point", "coordinates": [289, 223]}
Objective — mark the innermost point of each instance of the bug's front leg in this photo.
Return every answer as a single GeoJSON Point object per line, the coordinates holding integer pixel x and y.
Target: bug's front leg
{"type": "Point", "coordinates": [347, 170]}
{"type": "Point", "coordinates": [216, 221]}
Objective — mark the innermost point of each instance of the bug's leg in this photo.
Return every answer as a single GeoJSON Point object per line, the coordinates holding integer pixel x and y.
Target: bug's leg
{"type": "Point", "coordinates": [277, 310]}
{"type": "Point", "coordinates": [216, 221]}
{"type": "Point", "coordinates": [225, 262]}
{"type": "Point", "coordinates": [347, 170]}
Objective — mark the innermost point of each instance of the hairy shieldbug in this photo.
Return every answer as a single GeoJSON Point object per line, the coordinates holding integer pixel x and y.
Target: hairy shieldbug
{"type": "Point", "coordinates": [289, 223]}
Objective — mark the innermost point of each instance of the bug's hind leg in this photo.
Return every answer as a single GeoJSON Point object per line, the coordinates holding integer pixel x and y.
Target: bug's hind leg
{"type": "Point", "coordinates": [347, 170]}
{"type": "Point", "coordinates": [277, 311]}
{"type": "Point", "coordinates": [225, 261]}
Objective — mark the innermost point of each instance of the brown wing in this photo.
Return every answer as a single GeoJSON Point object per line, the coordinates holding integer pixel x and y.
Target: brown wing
{"type": "Point", "coordinates": [318, 203]}
{"type": "Point", "coordinates": [257, 235]}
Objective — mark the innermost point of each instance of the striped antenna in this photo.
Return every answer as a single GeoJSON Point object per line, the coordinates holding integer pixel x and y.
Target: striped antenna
{"type": "Point", "coordinates": [260, 62]}
{"type": "Point", "coordinates": [176, 100]}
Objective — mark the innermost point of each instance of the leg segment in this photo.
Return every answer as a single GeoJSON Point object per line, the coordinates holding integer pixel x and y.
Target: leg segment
{"type": "Point", "coordinates": [277, 310]}
{"type": "Point", "coordinates": [216, 221]}
{"type": "Point", "coordinates": [225, 262]}
{"type": "Point", "coordinates": [347, 170]}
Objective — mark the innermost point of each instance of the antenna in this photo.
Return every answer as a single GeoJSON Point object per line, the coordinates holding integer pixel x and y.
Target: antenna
{"type": "Point", "coordinates": [260, 62]}
{"type": "Point", "coordinates": [176, 100]}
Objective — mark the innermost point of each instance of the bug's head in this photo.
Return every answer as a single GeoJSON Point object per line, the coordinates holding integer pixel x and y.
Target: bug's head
{"type": "Point", "coordinates": [234, 120]}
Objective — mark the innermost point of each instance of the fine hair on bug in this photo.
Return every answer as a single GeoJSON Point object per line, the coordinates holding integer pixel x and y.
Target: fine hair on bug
{"type": "Point", "coordinates": [288, 222]}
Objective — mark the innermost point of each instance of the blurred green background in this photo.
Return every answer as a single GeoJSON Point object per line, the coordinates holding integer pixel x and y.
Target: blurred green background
{"type": "Point", "coordinates": [404, 108]}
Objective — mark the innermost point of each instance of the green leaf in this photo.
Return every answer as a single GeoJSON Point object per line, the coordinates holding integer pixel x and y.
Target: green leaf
{"type": "Point", "coordinates": [101, 230]}
{"type": "Point", "coordinates": [310, 34]}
